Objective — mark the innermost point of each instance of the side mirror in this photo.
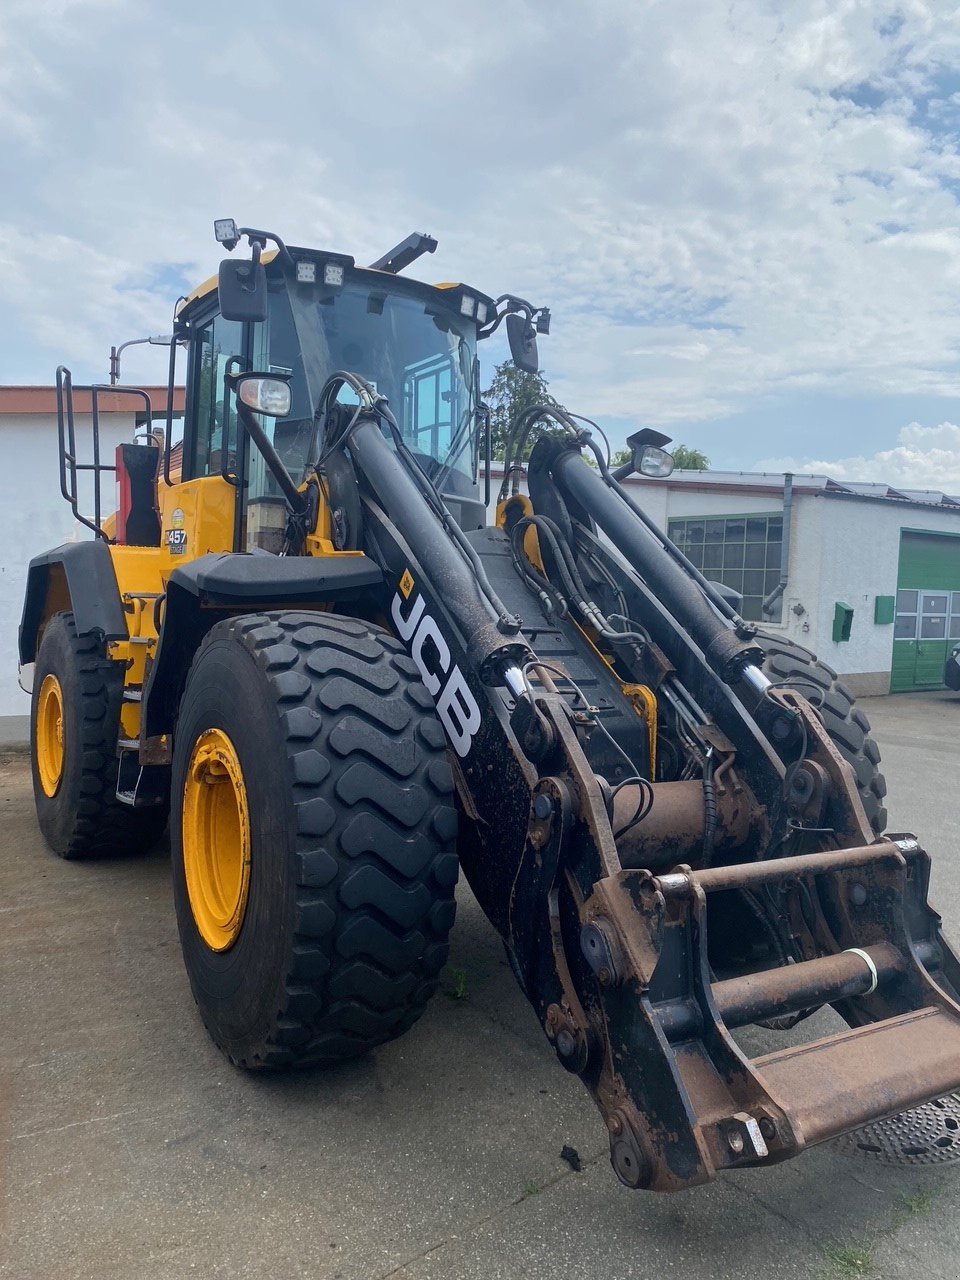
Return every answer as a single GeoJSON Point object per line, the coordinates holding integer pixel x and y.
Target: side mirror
{"type": "Point", "coordinates": [522, 337]}
{"type": "Point", "coordinates": [263, 394]}
{"type": "Point", "coordinates": [242, 288]}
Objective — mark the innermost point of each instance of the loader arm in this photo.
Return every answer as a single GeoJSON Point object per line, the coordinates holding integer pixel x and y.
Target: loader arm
{"type": "Point", "coordinates": [606, 924]}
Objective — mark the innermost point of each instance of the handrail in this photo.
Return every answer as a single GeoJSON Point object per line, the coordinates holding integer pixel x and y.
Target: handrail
{"type": "Point", "coordinates": [67, 442]}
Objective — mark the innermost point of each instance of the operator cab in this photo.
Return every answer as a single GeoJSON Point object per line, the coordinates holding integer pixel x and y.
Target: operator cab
{"type": "Point", "coordinates": [301, 315]}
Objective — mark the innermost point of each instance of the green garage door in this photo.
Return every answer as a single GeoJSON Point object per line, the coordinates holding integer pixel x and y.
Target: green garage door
{"type": "Point", "coordinates": [928, 609]}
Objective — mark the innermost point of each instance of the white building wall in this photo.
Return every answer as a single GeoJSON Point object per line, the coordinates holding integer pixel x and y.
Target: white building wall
{"type": "Point", "coordinates": [35, 518]}
{"type": "Point", "coordinates": [841, 550]}
{"type": "Point", "coordinates": [860, 558]}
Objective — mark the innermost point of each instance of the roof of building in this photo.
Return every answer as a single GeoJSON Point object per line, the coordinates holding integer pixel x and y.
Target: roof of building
{"type": "Point", "coordinates": [808, 483]}
{"type": "Point", "coordinates": [772, 482]}
{"type": "Point", "coordinates": [43, 400]}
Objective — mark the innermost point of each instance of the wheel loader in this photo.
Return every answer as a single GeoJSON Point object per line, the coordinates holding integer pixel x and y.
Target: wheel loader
{"type": "Point", "coordinates": [300, 638]}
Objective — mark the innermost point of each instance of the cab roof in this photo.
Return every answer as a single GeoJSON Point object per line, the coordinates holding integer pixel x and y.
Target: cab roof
{"type": "Point", "coordinates": [209, 287]}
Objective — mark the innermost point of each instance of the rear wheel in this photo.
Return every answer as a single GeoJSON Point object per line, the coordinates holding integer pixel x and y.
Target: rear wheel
{"type": "Point", "coordinates": [849, 729]}
{"type": "Point", "coordinates": [74, 728]}
{"type": "Point", "coordinates": [313, 838]}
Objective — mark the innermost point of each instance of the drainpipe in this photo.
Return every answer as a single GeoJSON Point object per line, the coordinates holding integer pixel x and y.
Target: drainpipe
{"type": "Point", "coordinates": [767, 607]}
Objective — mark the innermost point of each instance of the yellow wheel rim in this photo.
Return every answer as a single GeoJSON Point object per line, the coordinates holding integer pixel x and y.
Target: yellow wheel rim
{"type": "Point", "coordinates": [50, 735]}
{"type": "Point", "coordinates": [216, 839]}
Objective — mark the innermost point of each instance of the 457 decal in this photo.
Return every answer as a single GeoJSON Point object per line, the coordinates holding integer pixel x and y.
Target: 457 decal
{"type": "Point", "coordinates": [445, 682]}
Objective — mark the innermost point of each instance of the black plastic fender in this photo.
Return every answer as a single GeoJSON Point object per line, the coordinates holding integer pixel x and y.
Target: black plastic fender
{"type": "Point", "coordinates": [91, 585]}
{"type": "Point", "coordinates": [201, 592]}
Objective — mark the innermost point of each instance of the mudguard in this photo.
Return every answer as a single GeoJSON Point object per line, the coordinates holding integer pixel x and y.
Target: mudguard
{"type": "Point", "coordinates": [78, 576]}
{"type": "Point", "coordinates": [202, 592]}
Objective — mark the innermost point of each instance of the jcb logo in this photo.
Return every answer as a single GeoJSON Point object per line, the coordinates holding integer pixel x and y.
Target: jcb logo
{"type": "Point", "coordinates": [456, 705]}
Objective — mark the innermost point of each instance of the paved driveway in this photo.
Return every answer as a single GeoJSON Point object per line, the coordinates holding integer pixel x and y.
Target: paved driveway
{"type": "Point", "coordinates": [131, 1149]}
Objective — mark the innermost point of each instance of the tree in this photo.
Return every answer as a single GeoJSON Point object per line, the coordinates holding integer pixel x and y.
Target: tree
{"type": "Point", "coordinates": [684, 458]}
{"type": "Point", "coordinates": [511, 391]}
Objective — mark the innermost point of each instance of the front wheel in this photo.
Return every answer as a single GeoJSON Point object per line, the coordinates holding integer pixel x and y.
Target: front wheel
{"type": "Point", "coordinates": [313, 837]}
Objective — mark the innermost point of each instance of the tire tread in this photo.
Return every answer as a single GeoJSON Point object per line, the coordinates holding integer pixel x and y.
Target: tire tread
{"type": "Point", "coordinates": [374, 855]}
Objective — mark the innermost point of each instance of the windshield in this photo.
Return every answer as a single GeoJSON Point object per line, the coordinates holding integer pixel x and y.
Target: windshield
{"type": "Point", "coordinates": [417, 352]}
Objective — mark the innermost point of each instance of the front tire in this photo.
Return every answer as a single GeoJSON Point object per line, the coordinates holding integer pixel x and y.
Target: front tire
{"type": "Point", "coordinates": [323, 935]}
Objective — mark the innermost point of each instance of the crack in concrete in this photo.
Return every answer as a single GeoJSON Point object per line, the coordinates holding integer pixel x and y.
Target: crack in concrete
{"type": "Point", "coordinates": [585, 1163]}
{"type": "Point", "coordinates": [74, 1124]}
{"type": "Point", "coordinates": [771, 1209]}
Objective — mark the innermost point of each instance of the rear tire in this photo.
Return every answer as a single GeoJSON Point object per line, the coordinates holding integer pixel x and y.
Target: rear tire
{"type": "Point", "coordinates": [75, 787]}
{"type": "Point", "coordinates": [848, 727]}
{"type": "Point", "coordinates": [352, 862]}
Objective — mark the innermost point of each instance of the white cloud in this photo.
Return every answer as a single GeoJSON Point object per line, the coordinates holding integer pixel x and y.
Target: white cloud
{"type": "Point", "coordinates": [722, 203]}
{"type": "Point", "coordinates": [924, 458]}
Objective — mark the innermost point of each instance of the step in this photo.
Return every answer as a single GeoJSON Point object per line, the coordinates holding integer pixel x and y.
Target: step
{"type": "Point", "coordinates": [133, 693]}
{"type": "Point", "coordinates": [846, 1080]}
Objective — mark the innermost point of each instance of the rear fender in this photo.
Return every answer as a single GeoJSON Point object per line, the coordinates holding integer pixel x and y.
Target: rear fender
{"type": "Point", "coordinates": [77, 577]}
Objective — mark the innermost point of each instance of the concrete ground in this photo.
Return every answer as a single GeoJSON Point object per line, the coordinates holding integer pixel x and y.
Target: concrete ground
{"type": "Point", "coordinates": [132, 1149]}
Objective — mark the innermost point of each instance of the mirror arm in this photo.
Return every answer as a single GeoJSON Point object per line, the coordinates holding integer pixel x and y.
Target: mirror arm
{"type": "Point", "coordinates": [258, 240]}
{"type": "Point", "coordinates": [298, 503]}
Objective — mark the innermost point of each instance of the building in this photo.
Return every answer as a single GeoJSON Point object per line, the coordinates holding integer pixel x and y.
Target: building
{"type": "Point", "coordinates": [34, 516]}
{"type": "Point", "coordinates": [871, 577]}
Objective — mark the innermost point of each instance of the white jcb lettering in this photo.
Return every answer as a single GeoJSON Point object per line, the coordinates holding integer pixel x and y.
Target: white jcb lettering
{"type": "Point", "coordinates": [456, 705]}
{"type": "Point", "coordinates": [458, 712]}
{"type": "Point", "coordinates": [428, 630]}
{"type": "Point", "coordinates": [406, 626]}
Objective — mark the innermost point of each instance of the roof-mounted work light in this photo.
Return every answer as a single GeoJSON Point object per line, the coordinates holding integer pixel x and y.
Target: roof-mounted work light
{"type": "Point", "coordinates": [226, 232]}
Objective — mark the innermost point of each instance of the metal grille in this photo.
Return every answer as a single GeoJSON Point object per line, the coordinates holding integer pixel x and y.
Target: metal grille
{"type": "Point", "coordinates": [926, 1135]}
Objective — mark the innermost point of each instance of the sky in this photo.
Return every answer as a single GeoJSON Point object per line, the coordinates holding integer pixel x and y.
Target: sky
{"type": "Point", "coordinates": [744, 216]}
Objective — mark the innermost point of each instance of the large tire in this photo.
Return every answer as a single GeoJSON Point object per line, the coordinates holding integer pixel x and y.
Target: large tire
{"type": "Point", "coordinates": [848, 727]}
{"type": "Point", "coordinates": [76, 797]}
{"type": "Point", "coordinates": [352, 830]}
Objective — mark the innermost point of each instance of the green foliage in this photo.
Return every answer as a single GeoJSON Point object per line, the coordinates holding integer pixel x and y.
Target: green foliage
{"type": "Point", "coordinates": [686, 459]}
{"type": "Point", "coordinates": [459, 989]}
{"type": "Point", "coordinates": [511, 391]}
{"type": "Point", "coordinates": [851, 1260]}
{"type": "Point", "coordinates": [922, 1202]}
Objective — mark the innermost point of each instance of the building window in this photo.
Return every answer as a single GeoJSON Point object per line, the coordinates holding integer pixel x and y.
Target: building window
{"type": "Point", "coordinates": [742, 552]}
{"type": "Point", "coordinates": [927, 615]}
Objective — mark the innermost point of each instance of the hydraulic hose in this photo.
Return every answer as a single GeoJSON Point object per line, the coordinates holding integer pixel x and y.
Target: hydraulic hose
{"type": "Point", "coordinates": [682, 592]}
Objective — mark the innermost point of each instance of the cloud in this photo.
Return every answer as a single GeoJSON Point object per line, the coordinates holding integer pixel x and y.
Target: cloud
{"type": "Point", "coordinates": [924, 458]}
{"type": "Point", "coordinates": [723, 204]}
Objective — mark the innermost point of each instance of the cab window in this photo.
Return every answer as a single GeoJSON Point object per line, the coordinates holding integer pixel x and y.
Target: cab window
{"type": "Point", "coordinates": [218, 351]}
